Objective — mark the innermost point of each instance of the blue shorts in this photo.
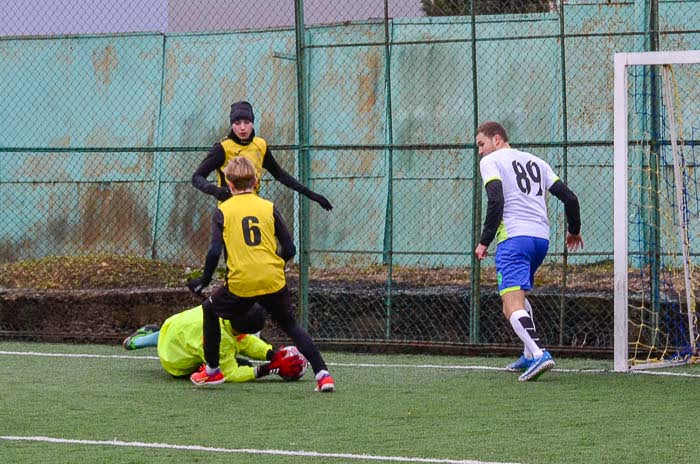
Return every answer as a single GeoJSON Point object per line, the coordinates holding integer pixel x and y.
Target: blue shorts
{"type": "Point", "coordinates": [517, 260]}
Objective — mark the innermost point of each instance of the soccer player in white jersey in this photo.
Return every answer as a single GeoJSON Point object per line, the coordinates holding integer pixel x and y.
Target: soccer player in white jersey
{"type": "Point", "coordinates": [516, 215]}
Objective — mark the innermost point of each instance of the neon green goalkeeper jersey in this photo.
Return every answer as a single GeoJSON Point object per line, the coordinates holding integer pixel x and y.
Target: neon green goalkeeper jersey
{"type": "Point", "coordinates": [181, 353]}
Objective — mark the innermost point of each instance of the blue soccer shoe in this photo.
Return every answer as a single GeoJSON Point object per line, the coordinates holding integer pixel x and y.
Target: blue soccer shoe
{"type": "Point", "coordinates": [520, 365]}
{"type": "Point", "coordinates": [538, 367]}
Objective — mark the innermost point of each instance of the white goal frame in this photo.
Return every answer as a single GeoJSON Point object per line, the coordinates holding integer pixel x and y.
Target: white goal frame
{"type": "Point", "coordinates": [622, 61]}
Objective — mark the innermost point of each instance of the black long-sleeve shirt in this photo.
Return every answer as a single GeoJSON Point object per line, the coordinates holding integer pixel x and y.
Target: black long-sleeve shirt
{"type": "Point", "coordinates": [216, 158]}
{"type": "Point", "coordinates": [571, 206]}
{"type": "Point", "coordinates": [494, 209]}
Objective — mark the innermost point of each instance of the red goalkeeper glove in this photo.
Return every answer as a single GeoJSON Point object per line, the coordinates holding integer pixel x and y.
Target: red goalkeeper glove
{"type": "Point", "coordinates": [286, 362]}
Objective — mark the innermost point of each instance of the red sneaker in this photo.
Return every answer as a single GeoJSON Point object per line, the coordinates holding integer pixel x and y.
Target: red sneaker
{"type": "Point", "coordinates": [201, 378]}
{"type": "Point", "coordinates": [325, 384]}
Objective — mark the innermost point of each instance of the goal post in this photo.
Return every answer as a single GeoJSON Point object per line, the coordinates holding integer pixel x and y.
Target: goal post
{"type": "Point", "coordinates": [656, 203]}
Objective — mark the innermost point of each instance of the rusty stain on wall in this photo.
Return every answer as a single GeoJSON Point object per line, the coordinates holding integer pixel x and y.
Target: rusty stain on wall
{"type": "Point", "coordinates": [104, 63]}
{"type": "Point", "coordinates": [108, 166]}
{"type": "Point", "coordinates": [347, 86]}
{"type": "Point", "coordinates": [359, 163]}
{"type": "Point", "coordinates": [13, 250]}
{"type": "Point", "coordinates": [190, 221]}
{"type": "Point", "coordinates": [205, 74]}
{"type": "Point", "coordinates": [226, 87]}
{"type": "Point", "coordinates": [42, 167]}
{"type": "Point", "coordinates": [65, 56]}
{"type": "Point", "coordinates": [148, 56]}
{"type": "Point", "coordinates": [147, 120]}
{"type": "Point", "coordinates": [59, 229]}
{"type": "Point", "coordinates": [240, 84]}
{"type": "Point", "coordinates": [61, 142]}
{"type": "Point", "coordinates": [99, 136]}
{"type": "Point", "coordinates": [319, 166]}
{"type": "Point", "coordinates": [369, 82]}
{"type": "Point", "coordinates": [114, 215]}
{"type": "Point", "coordinates": [171, 72]}
{"type": "Point", "coordinates": [278, 70]}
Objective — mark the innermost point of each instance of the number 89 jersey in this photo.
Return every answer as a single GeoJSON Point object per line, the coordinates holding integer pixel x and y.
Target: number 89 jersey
{"type": "Point", "coordinates": [525, 179]}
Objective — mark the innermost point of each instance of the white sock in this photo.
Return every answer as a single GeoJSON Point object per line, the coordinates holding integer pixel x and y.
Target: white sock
{"type": "Point", "coordinates": [522, 324]}
{"type": "Point", "coordinates": [526, 351]}
{"type": "Point", "coordinates": [212, 370]}
{"type": "Point", "coordinates": [321, 373]}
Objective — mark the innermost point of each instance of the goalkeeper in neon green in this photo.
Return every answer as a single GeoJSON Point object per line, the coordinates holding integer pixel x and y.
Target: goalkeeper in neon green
{"type": "Point", "coordinates": [181, 352]}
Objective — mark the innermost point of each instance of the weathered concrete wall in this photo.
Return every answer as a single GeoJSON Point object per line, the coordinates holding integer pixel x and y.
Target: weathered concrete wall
{"type": "Point", "coordinates": [128, 95]}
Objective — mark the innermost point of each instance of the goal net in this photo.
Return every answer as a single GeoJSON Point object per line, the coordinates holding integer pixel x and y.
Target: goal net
{"type": "Point", "coordinates": [657, 208]}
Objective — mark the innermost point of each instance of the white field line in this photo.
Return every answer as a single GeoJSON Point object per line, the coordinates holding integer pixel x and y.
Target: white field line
{"type": "Point", "coordinates": [75, 355]}
{"type": "Point", "coordinates": [253, 451]}
{"type": "Point", "coordinates": [668, 374]}
{"type": "Point", "coordinates": [375, 365]}
{"type": "Point", "coordinates": [455, 367]}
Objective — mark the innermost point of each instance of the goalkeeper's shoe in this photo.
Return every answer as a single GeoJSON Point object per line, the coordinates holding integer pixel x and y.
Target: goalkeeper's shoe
{"type": "Point", "coordinates": [201, 378]}
{"type": "Point", "coordinates": [520, 365]}
{"type": "Point", "coordinates": [128, 342]}
{"type": "Point", "coordinates": [325, 383]}
{"type": "Point", "coordinates": [538, 367]}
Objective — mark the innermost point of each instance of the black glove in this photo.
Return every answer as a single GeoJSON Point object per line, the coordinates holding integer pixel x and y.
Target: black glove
{"type": "Point", "coordinates": [321, 200]}
{"type": "Point", "coordinates": [198, 284]}
{"type": "Point", "coordinates": [222, 193]}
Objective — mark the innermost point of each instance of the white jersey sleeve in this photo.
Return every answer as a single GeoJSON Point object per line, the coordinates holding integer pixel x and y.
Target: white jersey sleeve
{"type": "Point", "coordinates": [489, 170]}
{"type": "Point", "coordinates": [525, 179]}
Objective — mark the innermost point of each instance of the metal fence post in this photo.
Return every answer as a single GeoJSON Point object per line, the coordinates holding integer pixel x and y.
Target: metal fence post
{"type": "Point", "coordinates": [389, 138]}
{"type": "Point", "coordinates": [303, 162]}
{"type": "Point", "coordinates": [565, 167]}
{"type": "Point", "coordinates": [475, 283]}
{"type": "Point", "coordinates": [156, 156]}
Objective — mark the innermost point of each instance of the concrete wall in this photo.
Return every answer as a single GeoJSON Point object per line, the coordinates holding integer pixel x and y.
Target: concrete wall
{"type": "Point", "coordinates": [100, 134]}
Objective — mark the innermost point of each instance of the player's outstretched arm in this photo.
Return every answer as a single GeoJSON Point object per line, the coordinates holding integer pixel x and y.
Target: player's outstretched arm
{"type": "Point", "coordinates": [213, 254]}
{"type": "Point", "coordinates": [286, 362]}
{"type": "Point", "coordinates": [214, 160]}
{"type": "Point", "coordinates": [283, 177]}
{"type": "Point", "coordinates": [233, 372]}
{"type": "Point", "coordinates": [246, 345]}
{"type": "Point", "coordinates": [572, 210]}
{"type": "Point", "coordinates": [287, 249]}
{"type": "Point", "coordinates": [253, 347]}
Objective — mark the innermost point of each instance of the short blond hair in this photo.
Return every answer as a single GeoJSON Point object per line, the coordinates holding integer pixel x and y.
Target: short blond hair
{"type": "Point", "coordinates": [241, 173]}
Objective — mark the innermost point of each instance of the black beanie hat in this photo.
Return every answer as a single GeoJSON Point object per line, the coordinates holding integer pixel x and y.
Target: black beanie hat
{"type": "Point", "coordinates": [242, 110]}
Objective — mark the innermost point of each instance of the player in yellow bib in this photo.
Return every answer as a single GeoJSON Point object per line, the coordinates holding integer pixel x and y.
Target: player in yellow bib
{"type": "Point", "coordinates": [242, 141]}
{"type": "Point", "coordinates": [248, 227]}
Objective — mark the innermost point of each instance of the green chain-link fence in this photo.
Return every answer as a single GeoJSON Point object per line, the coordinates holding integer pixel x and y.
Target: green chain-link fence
{"type": "Point", "coordinates": [107, 108]}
